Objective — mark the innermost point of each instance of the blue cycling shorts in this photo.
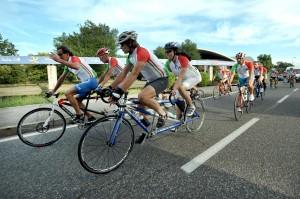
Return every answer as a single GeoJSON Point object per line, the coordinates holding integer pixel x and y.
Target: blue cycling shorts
{"type": "Point", "coordinates": [83, 88]}
{"type": "Point", "coordinates": [243, 81]}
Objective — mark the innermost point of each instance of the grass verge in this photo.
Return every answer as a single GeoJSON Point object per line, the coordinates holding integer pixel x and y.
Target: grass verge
{"type": "Point", "coordinates": [12, 101]}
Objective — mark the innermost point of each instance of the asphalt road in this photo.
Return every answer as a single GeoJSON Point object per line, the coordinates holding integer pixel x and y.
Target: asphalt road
{"type": "Point", "coordinates": [260, 162]}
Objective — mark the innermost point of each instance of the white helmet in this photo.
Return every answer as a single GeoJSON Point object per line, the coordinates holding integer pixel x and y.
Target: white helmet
{"type": "Point", "coordinates": [124, 36]}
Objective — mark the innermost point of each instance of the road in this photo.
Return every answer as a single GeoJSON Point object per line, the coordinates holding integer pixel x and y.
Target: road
{"type": "Point", "coordinates": [260, 160]}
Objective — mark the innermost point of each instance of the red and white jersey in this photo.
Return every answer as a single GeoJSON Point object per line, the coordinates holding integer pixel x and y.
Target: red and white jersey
{"type": "Point", "coordinates": [115, 65]}
{"type": "Point", "coordinates": [258, 71]}
{"type": "Point", "coordinates": [181, 61]}
{"type": "Point", "coordinates": [153, 68]}
{"type": "Point", "coordinates": [85, 72]}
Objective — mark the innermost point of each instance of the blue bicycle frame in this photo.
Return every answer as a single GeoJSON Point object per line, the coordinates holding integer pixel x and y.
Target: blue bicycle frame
{"type": "Point", "coordinates": [122, 110]}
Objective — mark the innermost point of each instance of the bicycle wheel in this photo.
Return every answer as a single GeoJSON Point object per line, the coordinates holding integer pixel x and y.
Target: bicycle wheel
{"type": "Point", "coordinates": [97, 154]}
{"type": "Point", "coordinates": [195, 122]}
{"type": "Point", "coordinates": [216, 92]}
{"type": "Point", "coordinates": [237, 114]}
{"type": "Point", "coordinates": [41, 127]}
{"type": "Point", "coordinates": [249, 105]}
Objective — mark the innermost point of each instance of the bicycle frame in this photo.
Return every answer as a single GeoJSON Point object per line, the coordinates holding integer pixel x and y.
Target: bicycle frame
{"type": "Point", "coordinates": [61, 103]}
{"type": "Point", "coordinates": [123, 110]}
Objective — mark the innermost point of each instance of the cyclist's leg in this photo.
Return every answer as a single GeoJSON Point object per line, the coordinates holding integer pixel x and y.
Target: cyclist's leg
{"type": "Point", "coordinates": [70, 96]}
{"type": "Point", "coordinates": [188, 84]}
{"type": "Point", "coordinates": [82, 89]}
{"type": "Point", "coordinates": [242, 82]}
{"type": "Point", "coordinates": [251, 88]}
{"type": "Point", "coordinates": [151, 90]}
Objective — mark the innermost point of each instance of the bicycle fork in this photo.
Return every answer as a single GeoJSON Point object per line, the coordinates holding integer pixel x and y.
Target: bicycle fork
{"type": "Point", "coordinates": [115, 129]}
{"type": "Point", "coordinates": [46, 123]}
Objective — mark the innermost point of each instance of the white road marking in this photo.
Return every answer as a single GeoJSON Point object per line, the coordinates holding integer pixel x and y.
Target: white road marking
{"type": "Point", "coordinates": [295, 89]}
{"type": "Point", "coordinates": [282, 99]}
{"type": "Point", "coordinates": [15, 137]}
{"type": "Point", "coordinates": [210, 152]}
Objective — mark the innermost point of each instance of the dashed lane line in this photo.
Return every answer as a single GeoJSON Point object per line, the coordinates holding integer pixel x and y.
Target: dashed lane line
{"type": "Point", "coordinates": [210, 152]}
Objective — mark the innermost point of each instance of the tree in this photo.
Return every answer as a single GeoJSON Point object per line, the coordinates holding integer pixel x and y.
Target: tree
{"type": "Point", "coordinates": [266, 60]}
{"type": "Point", "coordinates": [160, 52]}
{"type": "Point", "coordinates": [89, 39]}
{"type": "Point", "coordinates": [191, 49]}
{"type": "Point", "coordinates": [281, 66]}
{"type": "Point", "coordinates": [6, 47]}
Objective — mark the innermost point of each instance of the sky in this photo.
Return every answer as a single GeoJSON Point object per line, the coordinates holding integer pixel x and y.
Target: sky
{"type": "Point", "coordinates": [226, 26]}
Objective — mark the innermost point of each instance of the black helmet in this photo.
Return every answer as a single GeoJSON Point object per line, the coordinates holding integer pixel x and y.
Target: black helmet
{"type": "Point", "coordinates": [172, 46]}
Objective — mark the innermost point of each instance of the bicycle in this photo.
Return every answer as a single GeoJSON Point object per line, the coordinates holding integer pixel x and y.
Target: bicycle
{"type": "Point", "coordinates": [106, 144]}
{"type": "Point", "coordinates": [221, 88]}
{"type": "Point", "coordinates": [44, 126]}
{"type": "Point", "coordinates": [242, 101]}
{"type": "Point", "coordinates": [259, 89]}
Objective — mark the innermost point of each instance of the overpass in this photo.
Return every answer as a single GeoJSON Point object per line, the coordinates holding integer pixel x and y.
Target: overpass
{"type": "Point", "coordinates": [209, 59]}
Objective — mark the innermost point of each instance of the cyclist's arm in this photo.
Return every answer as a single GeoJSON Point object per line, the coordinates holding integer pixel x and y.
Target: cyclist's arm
{"type": "Point", "coordinates": [121, 76]}
{"type": "Point", "coordinates": [74, 65]}
{"type": "Point", "coordinates": [233, 71]}
{"type": "Point", "coordinates": [179, 78]}
{"type": "Point", "coordinates": [60, 80]}
{"type": "Point", "coordinates": [132, 76]}
{"type": "Point", "coordinates": [102, 81]}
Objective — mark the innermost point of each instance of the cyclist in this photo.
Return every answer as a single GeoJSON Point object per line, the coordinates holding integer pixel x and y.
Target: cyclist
{"type": "Point", "coordinates": [141, 60]}
{"type": "Point", "coordinates": [187, 76]}
{"type": "Point", "coordinates": [259, 75]}
{"type": "Point", "coordinates": [222, 76]}
{"type": "Point", "coordinates": [83, 71]}
{"type": "Point", "coordinates": [291, 75]}
{"type": "Point", "coordinates": [274, 76]}
{"type": "Point", "coordinates": [245, 71]}
{"type": "Point", "coordinates": [265, 72]}
{"type": "Point", "coordinates": [114, 66]}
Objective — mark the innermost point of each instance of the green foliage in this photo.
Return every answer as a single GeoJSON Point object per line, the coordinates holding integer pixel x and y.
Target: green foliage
{"type": "Point", "coordinates": [160, 52]}
{"type": "Point", "coordinates": [37, 73]}
{"type": "Point", "coordinates": [205, 79]}
{"type": "Point", "coordinates": [12, 101]}
{"type": "Point", "coordinates": [266, 60]}
{"type": "Point", "coordinates": [191, 49]}
{"type": "Point", "coordinates": [12, 74]}
{"type": "Point", "coordinates": [6, 47]}
{"type": "Point", "coordinates": [281, 66]}
{"type": "Point", "coordinates": [90, 38]}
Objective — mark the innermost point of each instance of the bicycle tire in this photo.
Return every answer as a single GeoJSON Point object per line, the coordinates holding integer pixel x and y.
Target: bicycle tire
{"type": "Point", "coordinates": [197, 120]}
{"type": "Point", "coordinates": [237, 114]}
{"type": "Point", "coordinates": [104, 148]}
{"type": "Point", "coordinates": [32, 125]}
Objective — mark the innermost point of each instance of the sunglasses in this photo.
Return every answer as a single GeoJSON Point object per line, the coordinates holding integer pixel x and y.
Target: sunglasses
{"type": "Point", "coordinates": [60, 54]}
{"type": "Point", "coordinates": [168, 51]}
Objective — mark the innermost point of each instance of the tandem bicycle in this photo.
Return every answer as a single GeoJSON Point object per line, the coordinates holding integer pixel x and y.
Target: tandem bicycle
{"type": "Point", "coordinates": [105, 144]}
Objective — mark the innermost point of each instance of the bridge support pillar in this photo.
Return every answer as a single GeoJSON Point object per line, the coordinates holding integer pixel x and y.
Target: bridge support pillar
{"type": "Point", "coordinates": [210, 73]}
{"type": "Point", "coordinates": [52, 76]}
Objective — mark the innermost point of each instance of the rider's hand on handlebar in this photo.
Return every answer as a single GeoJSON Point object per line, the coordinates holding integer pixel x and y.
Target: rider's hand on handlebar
{"type": "Point", "coordinates": [98, 89]}
{"type": "Point", "coordinates": [49, 94]}
{"type": "Point", "coordinates": [117, 94]}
